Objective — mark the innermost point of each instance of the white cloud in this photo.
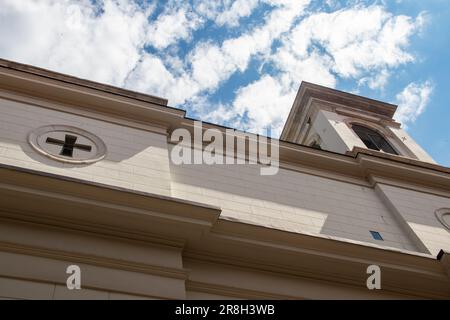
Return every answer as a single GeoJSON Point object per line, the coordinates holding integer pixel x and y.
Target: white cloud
{"type": "Point", "coordinates": [211, 9]}
{"type": "Point", "coordinates": [72, 37]}
{"type": "Point", "coordinates": [105, 40]}
{"type": "Point", "coordinates": [211, 64]}
{"type": "Point", "coordinates": [412, 101]}
{"type": "Point", "coordinates": [171, 26]}
{"type": "Point", "coordinates": [316, 54]}
{"type": "Point", "coordinates": [357, 39]}
{"type": "Point", "coordinates": [377, 80]}
{"type": "Point", "coordinates": [265, 102]}
{"type": "Point", "coordinates": [226, 12]}
{"type": "Point", "coordinates": [237, 10]}
{"type": "Point", "coordinates": [151, 76]}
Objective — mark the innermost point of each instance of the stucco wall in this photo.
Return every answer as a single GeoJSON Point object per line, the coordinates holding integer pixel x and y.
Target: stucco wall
{"type": "Point", "coordinates": [417, 211]}
{"type": "Point", "coordinates": [291, 201]}
{"type": "Point", "coordinates": [136, 159]}
{"type": "Point", "coordinates": [19, 289]}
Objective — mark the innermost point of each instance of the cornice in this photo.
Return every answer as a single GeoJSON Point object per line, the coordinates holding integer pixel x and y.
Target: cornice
{"type": "Point", "coordinates": [433, 179]}
{"type": "Point", "coordinates": [84, 95]}
{"type": "Point", "coordinates": [229, 291]}
{"type": "Point", "coordinates": [67, 108]}
{"type": "Point", "coordinates": [125, 265]}
{"type": "Point", "coordinates": [67, 202]}
{"type": "Point", "coordinates": [309, 91]}
{"type": "Point", "coordinates": [45, 73]}
{"type": "Point", "coordinates": [320, 258]}
{"type": "Point", "coordinates": [361, 165]}
{"type": "Point", "coordinates": [356, 167]}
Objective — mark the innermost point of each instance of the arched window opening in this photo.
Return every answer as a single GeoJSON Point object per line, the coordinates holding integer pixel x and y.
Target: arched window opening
{"type": "Point", "coordinates": [372, 139]}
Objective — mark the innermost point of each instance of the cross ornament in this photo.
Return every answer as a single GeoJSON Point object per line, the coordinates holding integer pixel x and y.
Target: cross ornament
{"type": "Point", "coordinates": [68, 145]}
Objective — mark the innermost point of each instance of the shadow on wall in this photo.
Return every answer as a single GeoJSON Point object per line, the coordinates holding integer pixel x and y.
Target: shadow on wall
{"type": "Point", "coordinates": [291, 201]}
{"type": "Point", "coordinates": [18, 120]}
{"type": "Point", "coordinates": [117, 152]}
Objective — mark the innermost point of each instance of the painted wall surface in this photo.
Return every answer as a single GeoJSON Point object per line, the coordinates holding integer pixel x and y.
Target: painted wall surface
{"type": "Point", "coordinates": [335, 133]}
{"type": "Point", "coordinates": [42, 276]}
{"type": "Point", "coordinates": [291, 201]}
{"type": "Point", "coordinates": [417, 211]}
{"type": "Point", "coordinates": [410, 146]}
{"type": "Point", "coordinates": [337, 136]}
{"type": "Point", "coordinates": [136, 159]}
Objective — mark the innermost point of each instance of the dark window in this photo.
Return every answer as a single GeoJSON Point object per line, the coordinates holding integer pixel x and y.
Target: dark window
{"type": "Point", "coordinates": [372, 139]}
{"type": "Point", "coordinates": [376, 235]}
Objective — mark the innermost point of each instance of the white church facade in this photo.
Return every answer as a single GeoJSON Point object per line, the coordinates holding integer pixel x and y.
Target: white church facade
{"type": "Point", "coordinates": [87, 179]}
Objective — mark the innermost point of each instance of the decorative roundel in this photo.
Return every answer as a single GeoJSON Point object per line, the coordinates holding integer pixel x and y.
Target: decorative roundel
{"type": "Point", "coordinates": [67, 144]}
{"type": "Point", "coordinates": [443, 216]}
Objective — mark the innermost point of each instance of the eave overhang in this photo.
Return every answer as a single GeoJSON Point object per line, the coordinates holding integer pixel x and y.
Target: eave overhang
{"type": "Point", "coordinates": [30, 84]}
{"type": "Point", "coordinates": [49, 200]}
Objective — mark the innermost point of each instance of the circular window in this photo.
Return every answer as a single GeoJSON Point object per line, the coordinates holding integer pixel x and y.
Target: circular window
{"type": "Point", "coordinates": [443, 216]}
{"type": "Point", "coordinates": [67, 144]}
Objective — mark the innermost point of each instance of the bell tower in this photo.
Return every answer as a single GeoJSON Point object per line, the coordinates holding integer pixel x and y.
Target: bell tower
{"type": "Point", "coordinates": [341, 122]}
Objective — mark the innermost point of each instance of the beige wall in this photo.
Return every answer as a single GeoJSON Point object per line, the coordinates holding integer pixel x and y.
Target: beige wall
{"type": "Point", "coordinates": [291, 201]}
{"type": "Point", "coordinates": [337, 136]}
{"type": "Point", "coordinates": [136, 159]}
{"type": "Point", "coordinates": [249, 283]}
{"type": "Point", "coordinates": [109, 266]}
{"type": "Point", "coordinates": [335, 133]}
{"type": "Point", "coordinates": [410, 147]}
{"type": "Point", "coordinates": [12, 289]}
{"type": "Point", "coordinates": [416, 210]}
{"type": "Point", "coordinates": [33, 261]}
{"type": "Point", "coordinates": [33, 257]}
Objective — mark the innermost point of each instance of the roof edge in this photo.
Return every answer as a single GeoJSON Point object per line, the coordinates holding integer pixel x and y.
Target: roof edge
{"type": "Point", "coordinates": [308, 90]}
{"type": "Point", "coordinates": [81, 82]}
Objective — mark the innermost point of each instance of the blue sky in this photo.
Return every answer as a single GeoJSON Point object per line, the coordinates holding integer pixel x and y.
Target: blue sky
{"type": "Point", "coordinates": [240, 63]}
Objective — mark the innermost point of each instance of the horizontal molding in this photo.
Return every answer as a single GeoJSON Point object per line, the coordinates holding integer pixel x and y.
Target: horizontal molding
{"type": "Point", "coordinates": [355, 114]}
{"type": "Point", "coordinates": [48, 74]}
{"type": "Point", "coordinates": [206, 237]}
{"type": "Point", "coordinates": [66, 108]}
{"type": "Point", "coordinates": [98, 230]}
{"type": "Point", "coordinates": [234, 292]}
{"type": "Point", "coordinates": [350, 280]}
{"type": "Point", "coordinates": [95, 261]}
{"type": "Point", "coordinates": [374, 180]}
{"type": "Point", "coordinates": [87, 98]}
{"type": "Point", "coordinates": [42, 185]}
